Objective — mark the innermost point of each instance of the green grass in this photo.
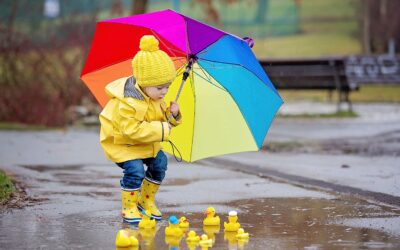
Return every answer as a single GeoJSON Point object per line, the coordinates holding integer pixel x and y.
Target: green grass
{"type": "Point", "coordinates": [327, 28]}
{"type": "Point", "coordinates": [339, 114]}
{"type": "Point", "coordinates": [340, 26]}
{"type": "Point", "coordinates": [366, 93]}
{"type": "Point", "coordinates": [6, 187]}
{"type": "Point", "coordinates": [377, 93]}
{"type": "Point", "coordinates": [307, 45]}
{"type": "Point", "coordinates": [20, 126]}
{"type": "Point", "coordinates": [328, 8]}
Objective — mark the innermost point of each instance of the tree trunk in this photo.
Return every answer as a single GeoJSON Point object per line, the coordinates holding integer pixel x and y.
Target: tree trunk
{"type": "Point", "coordinates": [261, 11]}
{"type": "Point", "coordinates": [139, 6]}
{"type": "Point", "coordinates": [366, 40]}
{"type": "Point", "coordinates": [380, 25]}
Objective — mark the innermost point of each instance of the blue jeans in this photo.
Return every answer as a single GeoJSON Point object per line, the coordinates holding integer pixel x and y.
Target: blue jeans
{"type": "Point", "coordinates": [134, 170]}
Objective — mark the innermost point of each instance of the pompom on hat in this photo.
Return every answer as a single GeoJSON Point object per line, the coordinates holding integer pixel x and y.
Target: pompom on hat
{"type": "Point", "coordinates": [152, 66]}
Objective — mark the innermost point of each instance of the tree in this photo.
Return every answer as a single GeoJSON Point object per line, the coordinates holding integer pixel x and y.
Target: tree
{"type": "Point", "coordinates": [139, 6]}
{"type": "Point", "coordinates": [40, 63]}
{"type": "Point", "coordinates": [380, 24]}
{"type": "Point", "coordinates": [117, 8]}
{"type": "Point", "coordinates": [261, 10]}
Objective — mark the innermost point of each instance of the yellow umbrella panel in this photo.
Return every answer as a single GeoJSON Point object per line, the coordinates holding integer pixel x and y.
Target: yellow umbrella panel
{"type": "Point", "coordinates": [212, 122]}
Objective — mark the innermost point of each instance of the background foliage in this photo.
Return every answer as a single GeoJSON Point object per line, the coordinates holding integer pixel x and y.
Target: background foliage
{"type": "Point", "coordinates": [41, 56]}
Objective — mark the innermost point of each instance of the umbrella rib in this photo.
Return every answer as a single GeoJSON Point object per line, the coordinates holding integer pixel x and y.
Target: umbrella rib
{"type": "Point", "coordinates": [107, 65]}
{"type": "Point", "coordinates": [173, 51]}
{"type": "Point", "coordinates": [213, 61]}
{"type": "Point", "coordinates": [120, 61]}
{"type": "Point", "coordinates": [187, 38]}
{"type": "Point", "coordinates": [192, 83]}
{"type": "Point", "coordinates": [194, 115]}
{"type": "Point", "coordinates": [170, 50]}
{"type": "Point", "coordinates": [209, 47]}
{"type": "Point", "coordinates": [244, 67]}
{"type": "Point", "coordinates": [223, 64]}
{"type": "Point", "coordinates": [176, 59]}
{"type": "Point", "coordinates": [208, 79]}
{"type": "Point", "coordinates": [180, 70]}
{"type": "Point", "coordinates": [204, 73]}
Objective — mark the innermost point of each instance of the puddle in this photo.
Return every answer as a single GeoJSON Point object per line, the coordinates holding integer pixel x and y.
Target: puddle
{"type": "Point", "coordinates": [274, 223]}
{"type": "Point", "coordinates": [178, 182]}
{"type": "Point", "coordinates": [93, 194]}
{"type": "Point", "coordinates": [83, 211]}
{"type": "Point", "coordinates": [45, 168]}
{"type": "Point", "coordinates": [88, 184]}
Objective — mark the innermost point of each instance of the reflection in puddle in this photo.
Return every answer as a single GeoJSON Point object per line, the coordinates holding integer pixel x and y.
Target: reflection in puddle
{"type": "Point", "coordinates": [173, 242]}
{"type": "Point", "coordinates": [210, 231]}
{"type": "Point", "coordinates": [177, 182]}
{"type": "Point", "coordinates": [46, 168]}
{"type": "Point", "coordinates": [273, 223]}
{"type": "Point", "coordinates": [283, 224]}
{"type": "Point", "coordinates": [126, 239]}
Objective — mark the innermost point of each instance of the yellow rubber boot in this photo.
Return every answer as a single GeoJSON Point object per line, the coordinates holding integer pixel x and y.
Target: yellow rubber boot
{"type": "Point", "coordinates": [130, 212]}
{"type": "Point", "coordinates": [147, 196]}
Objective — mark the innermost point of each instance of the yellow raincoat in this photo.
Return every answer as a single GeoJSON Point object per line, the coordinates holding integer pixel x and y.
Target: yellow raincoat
{"type": "Point", "coordinates": [132, 124]}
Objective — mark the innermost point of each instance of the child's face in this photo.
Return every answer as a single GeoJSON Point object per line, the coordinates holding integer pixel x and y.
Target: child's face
{"type": "Point", "coordinates": [157, 92]}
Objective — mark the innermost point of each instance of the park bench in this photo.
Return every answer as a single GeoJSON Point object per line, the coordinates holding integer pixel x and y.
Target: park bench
{"type": "Point", "coordinates": [311, 74]}
{"type": "Point", "coordinates": [341, 74]}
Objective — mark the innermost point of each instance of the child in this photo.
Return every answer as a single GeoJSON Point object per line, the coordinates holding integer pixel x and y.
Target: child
{"type": "Point", "coordinates": [134, 122]}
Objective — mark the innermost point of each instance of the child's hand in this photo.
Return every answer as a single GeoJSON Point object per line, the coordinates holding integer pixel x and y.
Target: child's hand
{"type": "Point", "coordinates": [174, 107]}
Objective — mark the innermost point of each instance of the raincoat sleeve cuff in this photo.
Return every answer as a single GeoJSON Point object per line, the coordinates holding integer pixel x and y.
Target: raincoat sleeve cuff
{"type": "Point", "coordinates": [175, 121]}
{"type": "Point", "coordinates": [165, 131]}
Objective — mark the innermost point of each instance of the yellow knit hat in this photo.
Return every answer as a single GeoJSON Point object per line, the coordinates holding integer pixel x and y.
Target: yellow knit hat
{"type": "Point", "coordinates": [152, 66]}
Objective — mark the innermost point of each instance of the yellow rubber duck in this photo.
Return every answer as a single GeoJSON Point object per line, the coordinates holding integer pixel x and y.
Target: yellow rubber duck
{"type": "Point", "coordinates": [211, 219]}
{"type": "Point", "coordinates": [232, 225]}
{"type": "Point", "coordinates": [173, 228]}
{"type": "Point", "coordinates": [192, 237]}
{"type": "Point", "coordinates": [183, 222]}
{"type": "Point", "coordinates": [173, 242]}
{"type": "Point", "coordinates": [147, 221]}
{"type": "Point", "coordinates": [123, 239]}
{"type": "Point", "coordinates": [241, 234]}
{"type": "Point", "coordinates": [127, 248]}
{"type": "Point", "coordinates": [205, 241]}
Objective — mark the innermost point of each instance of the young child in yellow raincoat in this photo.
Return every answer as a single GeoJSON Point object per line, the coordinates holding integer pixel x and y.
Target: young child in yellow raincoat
{"type": "Point", "coordinates": [134, 122]}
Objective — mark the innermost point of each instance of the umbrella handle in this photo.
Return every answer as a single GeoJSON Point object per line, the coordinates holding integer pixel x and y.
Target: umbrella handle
{"type": "Point", "coordinates": [184, 78]}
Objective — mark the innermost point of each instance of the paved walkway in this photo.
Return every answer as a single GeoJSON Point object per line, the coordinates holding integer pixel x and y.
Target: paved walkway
{"type": "Point", "coordinates": [81, 202]}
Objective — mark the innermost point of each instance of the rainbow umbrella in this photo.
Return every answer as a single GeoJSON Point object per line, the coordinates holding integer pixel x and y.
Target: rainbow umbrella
{"type": "Point", "coordinates": [227, 102]}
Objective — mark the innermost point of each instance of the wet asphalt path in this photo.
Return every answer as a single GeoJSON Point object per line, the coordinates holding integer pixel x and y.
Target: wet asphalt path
{"type": "Point", "coordinates": [307, 182]}
{"type": "Point", "coordinates": [79, 203]}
